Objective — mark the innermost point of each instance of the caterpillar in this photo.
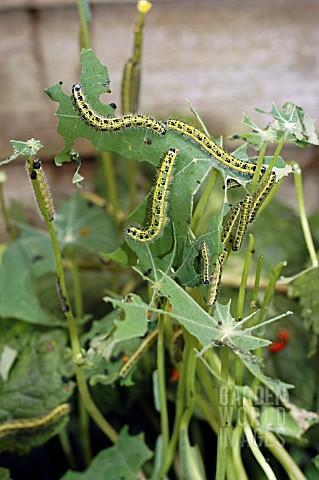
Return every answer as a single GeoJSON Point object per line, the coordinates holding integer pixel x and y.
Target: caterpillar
{"type": "Point", "coordinates": [215, 278]}
{"type": "Point", "coordinates": [205, 261]}
{"type": "Point", "coordinates": [112, 124]}
{"type": "Point", "coordinates": [159, 202]}
{"type": "Point", "coordinates": [212, 148]}
{"type": "Point", "coordinates": [39, 181]}
{"type": "Point", "coordinates": [30, 425]}
{"type": "Point", "coordinates": [177, 345]}
{"type": "Point", "coordinates": [231, 183]}
{"type": "Point", "coordinates": [134, 358]}
{"type": "Point", "coordinates": [243, 221]}
{"type": "Point", "coordinates": [230, 224]}
{"type": "Point", "coordinates": [261, 194]}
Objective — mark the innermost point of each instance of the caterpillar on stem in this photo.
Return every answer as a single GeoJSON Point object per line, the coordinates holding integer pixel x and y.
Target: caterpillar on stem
{"type": "Point", "coordinates": [31, 425]}
{"type": "Point", "coordinates": [134, 358]}
{"type": "Point", "coordinates": [38, 180]}
{"type": "Point", "coordinates": [243, 220]}
{"type": "Point", "coordinates": [159, 203]}
{"type": "Point", "coordinates": [205, 262]}
{"type": "Point", "coordinates": [261, 194]}
{"type": "Point", "coordinates": [215, 278]}
{"type": "Point", "coordinates": [230, 224]}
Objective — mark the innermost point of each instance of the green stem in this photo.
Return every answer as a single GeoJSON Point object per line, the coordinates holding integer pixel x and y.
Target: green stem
{"type": "Point", "coordinates": [303, 215]}
{"type": "Point", "coordinates": [190, 379]}
{"type": "Point", "coordinates": [224, 417]}
{"type": "Point", "coordinates": [84, 423]}
{"type": "Point", "coordinates": [242, 288]}
{"type": "Point", "coordinates": [67, 449]}
{"type": "Point", "coordinates": [236, 452]}
{"type": "Point", "coordinates": [274, 445]}
{"type": "Point", "coordinates": [109, 175]}
{"type": "Point", "coordinates": [203, 200]}
{"type": "Point", "coordinates": [257, 453]}
{"type": "Point", "coordinates": [206, 410]}
{"type": "Point", "coordinates": [261, 156]}
{"type": "Point", "coordinates": [276, 155]}
{"type": "Point", "coordinates": [240, 304]}
{"type": "Point", "coordinates": [270, 440]}
{"type": "Point", "coordinates": [180, 403]}
{"type": "Point", "coordinates": [190, 465]}
{"type": "Point", "coordinates": [76, 283]}
{"type": "Point", "coordinates": [84, 431]}
{"type": "Point", "coordinates": [5, 214]}
{"type": "Point", "coordinates": [273, 277]}
{"type": "Point", "coordinates": [92, 408]}
{"type": "Point", "coordinates": [161, 385]}
{"type": "Point", "coordinates": [67, 310]}
{"type": "Point", "coordinates": [131, 184]}
{"type": "Point", "coordinates": [208, 386]}
{"type": "Point", "coordinates": [269, 169]}
{"type": "Point", "coordinates": [84, 26]}
{"type": "Point", "coordinates": [254, 295]}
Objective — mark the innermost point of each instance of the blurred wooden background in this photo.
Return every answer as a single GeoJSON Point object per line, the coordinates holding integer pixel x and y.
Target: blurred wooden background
{"type": "Point", "coordinates": [225, 57]}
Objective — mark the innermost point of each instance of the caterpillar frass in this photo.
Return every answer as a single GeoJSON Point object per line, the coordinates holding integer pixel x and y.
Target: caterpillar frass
{"type": "Point", "coordinates": [215, 278]}
{"type": "Point", "coordinates": [230, 224]}
{"type": "Point", "coordinates": [243, 221]}
{"type": "Point", "coordinates": [159, 203]}
{"type": "Point", "coordinates": [261, 194]}
{"type": "Point", "coordinates": [30, 425]}
{"type": "Point", "coordinates": [205, 262]}
{"type": "Point", "coordinates": [134, 358]}
{"type": "Point", "coordinates": [212, 148]}
{"type": "Point", "coordinates": [101, 123]}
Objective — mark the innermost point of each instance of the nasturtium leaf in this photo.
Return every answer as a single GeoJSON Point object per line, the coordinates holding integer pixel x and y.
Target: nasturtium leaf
{"type": "Point", "coordinates": [19, 297]}
{"type": "Point", "coordinates": [122, 461]}
{"type": "Point", "coordinates": [38, 381]}
{"type": "Point", "coordinates": [5, 474]}
{"type": "Point", "coordinates": [149, 265]}
{"type": "Point", "coordinates": [279, 421]}
{"type": "Point", "coordinates": [191, 167]}
{"type": "Point", "coordinates": [191, 459]}
{"type": "Point", "coordinates": [251, 362]}
{"type": "Point", "coordinates": [135, 322]}
{"type": "Point", "coordinates": [23, 149]}
{"type": "Point", "coordinates": [7, 359]}
{"type": "Point", "coordinates": [258, 136]}
{"type": "Point", "coordinates": [290, 120]}
{"type": "Point", "coordinates": [199, 323]}
{"type": "Point", "coordinates": [130, 142]}
{"type": "Point", "coordinates": [81, 224]}
{"type": "Point", "coordinates": [190, 271]}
